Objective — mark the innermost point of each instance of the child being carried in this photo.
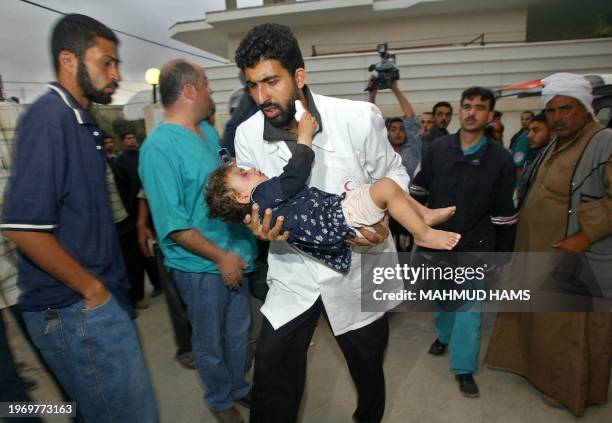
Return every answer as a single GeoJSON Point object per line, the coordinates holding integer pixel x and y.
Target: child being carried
{"type": "Point", "coordinates": [319, 222]}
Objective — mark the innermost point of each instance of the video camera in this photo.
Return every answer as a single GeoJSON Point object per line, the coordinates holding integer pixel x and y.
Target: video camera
{"type": "Point", "coordinates": [386, 72]}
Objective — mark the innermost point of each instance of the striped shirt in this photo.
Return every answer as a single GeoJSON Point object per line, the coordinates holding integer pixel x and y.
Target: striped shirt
{"type": "Point", "coordinates": [9, 114]}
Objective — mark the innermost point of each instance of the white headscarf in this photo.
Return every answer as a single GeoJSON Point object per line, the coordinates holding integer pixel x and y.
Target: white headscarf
{"type": "Point", "coordinates": [570, 85]}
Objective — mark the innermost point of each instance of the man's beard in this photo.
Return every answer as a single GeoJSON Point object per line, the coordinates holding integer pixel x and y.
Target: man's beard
{"type": "Point", "coordinates": [287, 114]}
{"type": "Point", "coordinates": [90, 92]}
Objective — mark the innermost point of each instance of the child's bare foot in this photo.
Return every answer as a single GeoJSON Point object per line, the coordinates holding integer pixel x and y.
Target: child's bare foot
{"type": "Point", "coordinates": [432, 217]}
{"type": "Point", "coordinates": [438, 240]}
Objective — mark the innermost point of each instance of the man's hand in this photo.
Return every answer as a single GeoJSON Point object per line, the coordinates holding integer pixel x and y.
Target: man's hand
{"type": "Point", "coordinates": [370, 238]}
{"type": "Point", "coordinates": [96, 295]}
{"type": "Point", "coordinates": [574, 244]}
{"type": "Point", "coordinates": [145, 233]}
{"type": "Point", "coordinates": [231, 267]}
{"type": "Point", "coordinates": [262, 230]}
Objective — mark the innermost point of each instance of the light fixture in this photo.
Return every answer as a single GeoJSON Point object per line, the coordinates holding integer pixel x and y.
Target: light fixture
{"type": "Point", "coordinates": [152, 78]}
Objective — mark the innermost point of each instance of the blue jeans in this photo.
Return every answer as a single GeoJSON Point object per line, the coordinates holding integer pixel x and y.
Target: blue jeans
{"type": "Point", "coordinates": [95, 354]}
{"type": "Point", "coordinates": [220, 320]}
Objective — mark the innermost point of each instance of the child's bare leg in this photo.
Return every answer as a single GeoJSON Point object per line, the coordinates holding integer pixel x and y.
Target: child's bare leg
{"type": "Point", "coordinates": [387, 194]}
{"type": "Point", "coordinates": [431, 217]}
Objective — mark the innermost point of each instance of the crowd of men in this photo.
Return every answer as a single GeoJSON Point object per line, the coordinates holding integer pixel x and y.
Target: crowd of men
{"type": "Point", "coordinates": [81, 219]}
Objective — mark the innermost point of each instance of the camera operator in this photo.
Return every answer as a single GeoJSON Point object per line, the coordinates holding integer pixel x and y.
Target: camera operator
{"type": "Point", "coordinates": [403, 133]}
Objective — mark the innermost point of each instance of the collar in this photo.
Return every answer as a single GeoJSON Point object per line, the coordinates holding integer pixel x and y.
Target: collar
{"type": "Point", "coordinates": [473, 155]}
{"type": "Point", "coordinates": [586, 129]}
{"type": "Point", "coordinates": [272, 133]}
{"type": "Point", "coordinates": [473, 149]}
{"type": "Point", "coordinates": [82, 116]}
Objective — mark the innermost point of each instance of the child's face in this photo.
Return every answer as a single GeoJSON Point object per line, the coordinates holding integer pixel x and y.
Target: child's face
{"type": "Point", "coordinates": [244, 181]}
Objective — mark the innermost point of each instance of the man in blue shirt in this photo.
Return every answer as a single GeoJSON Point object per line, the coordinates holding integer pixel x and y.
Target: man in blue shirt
{"type": "Point", "coordinates": [208, 257]}
{"type": "Point", "coordinates": [57, 211]}
{"type": "Point", "coordinates": [404, 133]}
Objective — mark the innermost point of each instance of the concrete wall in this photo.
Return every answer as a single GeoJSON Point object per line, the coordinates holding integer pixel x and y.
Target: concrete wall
{"type": "Point", "coordinates": [431, 75]}
{"type": "Point", "coordinates": [444, 29]}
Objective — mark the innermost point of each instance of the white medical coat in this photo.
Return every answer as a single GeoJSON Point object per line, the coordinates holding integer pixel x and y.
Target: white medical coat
{"type": "Point", "coordinates": [351, 150]}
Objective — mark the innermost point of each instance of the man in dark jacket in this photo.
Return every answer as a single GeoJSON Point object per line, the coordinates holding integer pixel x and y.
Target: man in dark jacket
{"type": "Point", "coordinates": [442, 115]}
{"type": "Point", "coordinates": [476, 174]}
{"type": "Point", "coordinates": [128, 182]}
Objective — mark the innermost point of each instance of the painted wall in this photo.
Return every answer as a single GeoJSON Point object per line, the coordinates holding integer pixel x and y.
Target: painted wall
{"type": "Point", "coordinates": [431, 75]}
{"type": "Point", "coordinates": [444, 29]}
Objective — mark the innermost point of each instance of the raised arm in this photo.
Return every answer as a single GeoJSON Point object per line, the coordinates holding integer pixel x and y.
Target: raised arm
{"type": "Point", "coordinates": [402, 100]}
{"type": "Point", "coordinates": [297, 171]}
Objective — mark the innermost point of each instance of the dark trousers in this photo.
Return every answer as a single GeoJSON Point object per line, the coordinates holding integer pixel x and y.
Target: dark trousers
{"type": "Point", "coordinates": [135, 266]}
{"type": "Point", "coordinates": [280, 367]}
{"type": "Point", "coordinates": [11, 387]}
{"type": "Point", "coordinates": [176, 307]}
{"type": "Point", "coordinates": [397, 230]}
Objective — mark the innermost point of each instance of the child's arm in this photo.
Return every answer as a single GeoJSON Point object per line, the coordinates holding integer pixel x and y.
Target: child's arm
{"type": "Point", "coordinates": [297, 171]}
{"type": "Point", "coordinates": [306, 129]}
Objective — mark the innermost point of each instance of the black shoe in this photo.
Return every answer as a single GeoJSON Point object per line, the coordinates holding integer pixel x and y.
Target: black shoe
{"type": "Point", "coordinates": [156, 292]}
{"type": "Point", "coordinates": [245, 401]}
{"type": "Point", "coordinates": [437, 348]}
{"type": "Point", "coordinates": [140, 305]}
{"type": "Point", "coordinates": [467, 385]}
{"type": "Point", "coordinates": [186, 360]}
{"type": "Point", "coordinates": [28, 383]}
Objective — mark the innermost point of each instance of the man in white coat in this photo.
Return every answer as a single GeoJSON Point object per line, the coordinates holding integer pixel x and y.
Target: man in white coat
{"type": "Point", "coordinates": [351, 150]}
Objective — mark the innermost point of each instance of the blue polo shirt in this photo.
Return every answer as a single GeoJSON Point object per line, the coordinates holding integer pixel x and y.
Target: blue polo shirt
{"type": "Point", "coordinates": [58, 186]}
{"type": "Point", "coordinates": [175, 164]}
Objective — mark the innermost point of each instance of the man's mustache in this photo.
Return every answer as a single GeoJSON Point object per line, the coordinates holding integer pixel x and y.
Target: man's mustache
{"type": "Point", "coordinates": [268, 104]}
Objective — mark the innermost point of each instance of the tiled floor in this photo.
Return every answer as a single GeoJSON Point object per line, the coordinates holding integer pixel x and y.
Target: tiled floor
{"type": "Point", "coordinates": [420, 387]}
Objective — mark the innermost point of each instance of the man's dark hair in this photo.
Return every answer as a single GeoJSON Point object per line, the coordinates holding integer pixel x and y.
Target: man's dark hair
{"type": "Point", "coordinates": [76, 33]}
{"type": "Point", "coordinates": [391, 120]}
{"type": "Point", "coordinates": [491, 127]}
{"type": "Point", "coordinates": [221, 198]}
{"type": "Point", "coordinates": [540, 117]}
{"type": "Point", "coordinates": [497, 114]}
{"type": "Point", "coordinates": [484, 93]}
{"type": "Point", "coordinates": [528, 111]}
{"type": "Point", "coordinates": [441, 104]}
{"type": "Point", "coordinates": [173, 77]}
{"type": "Point", "coordinates": [269, 41]}
{"type": "Point", "coordinates": [126, 133]}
